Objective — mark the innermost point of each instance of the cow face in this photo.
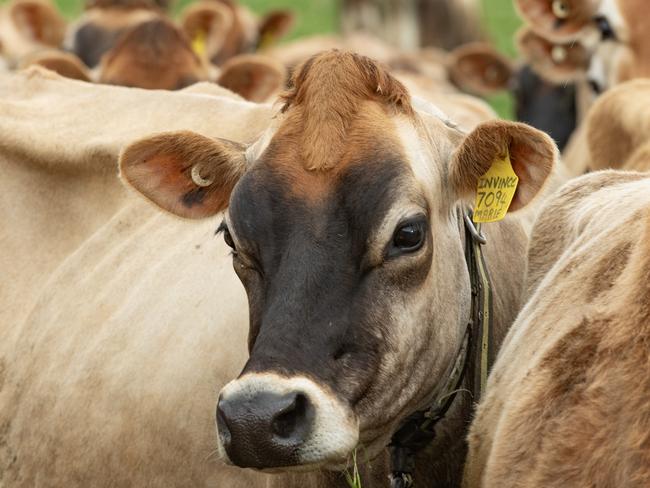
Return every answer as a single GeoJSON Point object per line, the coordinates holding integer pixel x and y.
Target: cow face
{"type": "Point", "coordinates": [622, 51]}
{"type": "Point", "coordinates": [345, 227]}
{"type": "Point", "coordinates": [156, 55]}
{"type": "Point", "coordinates": [99, 28]}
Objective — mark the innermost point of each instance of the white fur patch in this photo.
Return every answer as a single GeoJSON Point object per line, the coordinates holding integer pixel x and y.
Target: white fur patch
{"type": "Point", "coordinates": [335, 432]}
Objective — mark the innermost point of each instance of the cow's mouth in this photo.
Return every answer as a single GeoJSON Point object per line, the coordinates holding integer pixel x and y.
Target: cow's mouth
{"type": "Point", "coordinates": [271, 422]}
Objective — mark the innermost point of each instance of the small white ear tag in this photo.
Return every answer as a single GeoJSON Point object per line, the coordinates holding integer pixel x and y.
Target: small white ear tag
{"type": "Point", "coordinates": [496, 189]}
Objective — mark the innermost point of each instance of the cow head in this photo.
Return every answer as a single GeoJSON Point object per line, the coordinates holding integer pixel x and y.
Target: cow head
{"type": "Point", "coordinates": [154, 54]}
{"type": "Point", "coordinates": [223, 29]}
{"type": "Point", "coordinates": [344, 220]}
{"type": "Point", "coordinates": [558, 20]}
{"type": "Point", "coordinates": [101, 26]}
{"type": "Point", "coordinates": [622, 47]}
{"type": "Point", "coordinates": [556, 62]}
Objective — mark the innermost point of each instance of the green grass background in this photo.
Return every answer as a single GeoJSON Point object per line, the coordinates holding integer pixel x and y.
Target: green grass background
{"type": "Point", "coordinates": [321, 16]}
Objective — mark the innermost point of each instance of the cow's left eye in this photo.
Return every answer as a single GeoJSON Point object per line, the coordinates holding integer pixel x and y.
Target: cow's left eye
{"type": "Point", "coordinates": [227, 238]}
{"type": "Point", "coordinates": [606, 31]}
{"type": "Point", "coordinates": [409, 236]}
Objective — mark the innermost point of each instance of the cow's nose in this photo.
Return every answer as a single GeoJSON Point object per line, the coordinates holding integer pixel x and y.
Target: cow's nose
{"type": "Point", "coordinates": [264, 430]}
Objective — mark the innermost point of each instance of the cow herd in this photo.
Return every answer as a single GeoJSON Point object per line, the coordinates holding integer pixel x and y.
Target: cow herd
{"type": "Point", "coordinates": [325, 287]}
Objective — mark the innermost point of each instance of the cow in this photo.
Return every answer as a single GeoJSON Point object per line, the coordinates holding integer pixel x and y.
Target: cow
{"type": "Point", "coordinates": [568, 400]}
{"type": "Point", "coordinates": [617, 128]}
{"type": "Point", "coordinates": [27, 26]}
{"type": "Point", "coordinates": [613, 31]}
{"type": "Point", "coordinates": [224, 28]}
{"type": "Point", "coordinates": [157, 54]}
{"type": "Point", "coordinates": [144, 323]}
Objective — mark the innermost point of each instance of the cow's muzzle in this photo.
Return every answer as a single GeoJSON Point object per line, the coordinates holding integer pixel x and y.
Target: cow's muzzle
{"type": "Point", "coordinates": [267, 422]}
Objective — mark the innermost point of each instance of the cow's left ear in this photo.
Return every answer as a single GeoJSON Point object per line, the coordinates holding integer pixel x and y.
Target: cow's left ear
{"type": "Point", "coordinates": [479, 69]}
{"type": "Point", "coordinates": [39, 21]}
{"type": "Point", "coordinates": [184, 173]}
{"type": "Point", "coordinates": [252, 76]}
{"type": "Point", "coordinates": [274, 26]}
{"type": "Point", "coordinates": [65, 64]}
{"type": "Point", "coordinates": [532, 155]}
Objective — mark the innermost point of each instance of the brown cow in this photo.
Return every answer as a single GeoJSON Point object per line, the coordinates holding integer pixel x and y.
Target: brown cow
{"type": "Point", "coordinates": [157, 55]}
{"type": "Point", "coordinates": [224, 28]}
{"type": "Point", "coordinates": [345, 222]}
{"type": "Point", "coordinates": [568, 400]}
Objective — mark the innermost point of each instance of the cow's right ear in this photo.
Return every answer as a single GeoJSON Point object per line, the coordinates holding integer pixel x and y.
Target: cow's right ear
{"type": "Point", "coordinates": [185, 173]}
{"type": "Point", "coordinates": [558, 20]}
{"type": "Point", "coordinates": [479, 69]}
{"type": "Point", "coordinates": [39, 21]}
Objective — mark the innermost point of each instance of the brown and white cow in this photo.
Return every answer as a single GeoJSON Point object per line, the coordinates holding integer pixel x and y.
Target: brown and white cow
{"type": "Point", "coordinates": [568, 400]}
{"type": "Point", "coordinates": [345, 223]}
{"type": "Point", "coordinates": [156, 54]}
{"type": "Point", "coordinates": [142, 320]}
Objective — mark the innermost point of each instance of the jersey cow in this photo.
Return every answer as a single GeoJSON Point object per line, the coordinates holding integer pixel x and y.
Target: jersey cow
{"type": "Point", "coordinates": [345, 222]}
{"type": "Point", "coordinates": [568, 401]}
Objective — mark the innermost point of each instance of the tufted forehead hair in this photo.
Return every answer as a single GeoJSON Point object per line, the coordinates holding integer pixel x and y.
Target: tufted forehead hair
{"type": "Point", "coordinates": [327, 95]}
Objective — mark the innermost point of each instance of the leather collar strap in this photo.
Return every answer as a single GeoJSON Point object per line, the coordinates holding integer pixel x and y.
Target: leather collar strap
{"type": "Point", "coordinates": [418, 430]}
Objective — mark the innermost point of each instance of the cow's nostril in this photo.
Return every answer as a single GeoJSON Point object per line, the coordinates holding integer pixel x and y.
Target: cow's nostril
{"type": "Point", "coordinates": [291, 418]}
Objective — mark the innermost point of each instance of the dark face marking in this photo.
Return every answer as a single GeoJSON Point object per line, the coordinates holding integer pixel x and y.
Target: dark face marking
{"type": "Point", "coordinates": [319, 305]}
{"type": "Point", "coordinates": [194, 197]}
{"type": "Point", "coordinates": [92, 42]}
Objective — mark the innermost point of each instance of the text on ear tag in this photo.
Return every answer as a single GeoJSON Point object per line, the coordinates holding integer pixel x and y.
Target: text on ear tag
{"type": "Point", "coordinates": [198, 43]}
{"type": "Point", "coordinates": [496, 189]}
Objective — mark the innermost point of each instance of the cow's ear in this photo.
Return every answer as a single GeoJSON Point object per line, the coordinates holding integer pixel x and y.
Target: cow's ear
{"type": "Point", "coordinates": [254, 77]}
{"type": "Point", "coordinates": [185, 173]}
{"type": "Point", "coordinates": [274, 26]}
{"type": "Point", "coordinates": [558, 20]}
{"type": "Point", "coordinates": [65, 64]}
{"type": "Point", "coordinates": [39, 21]}
{"type": "Point", "coordinates": [207, 24]}
{"type": "Point", "coordinates": [478, 68]}
{"type": "Point", "coordinates": [556, 62]}
{"type": "Point", "coordinates": [532, 155]}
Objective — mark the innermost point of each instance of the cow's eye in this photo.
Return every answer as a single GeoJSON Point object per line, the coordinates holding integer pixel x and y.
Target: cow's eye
{"type": "Point", "coordinates": [223, 229]}
{"type": "Point", "coordinates": [409, 236]}
{"type": "Point", "coordinates": [606, 31]}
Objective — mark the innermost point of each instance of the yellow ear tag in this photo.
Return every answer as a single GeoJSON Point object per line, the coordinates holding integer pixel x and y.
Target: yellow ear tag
{"type": "Point", "coordinates": [496, 189]}
{"type": "Point", "coordinates": [198, 43]}
{"type": "Point", "coordinates": [266, 41]}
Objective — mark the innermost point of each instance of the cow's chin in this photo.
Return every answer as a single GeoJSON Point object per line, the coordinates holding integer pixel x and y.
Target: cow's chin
{"type": "Point", "coordinates": [327, 439]}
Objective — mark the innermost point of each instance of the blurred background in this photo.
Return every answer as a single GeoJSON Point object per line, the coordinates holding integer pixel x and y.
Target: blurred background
{"type": "Point", "coordinates": [497, 17]}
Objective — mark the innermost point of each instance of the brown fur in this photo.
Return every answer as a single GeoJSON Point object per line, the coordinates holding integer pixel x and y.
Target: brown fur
{"type": "Point", "coordinates": [162, 172]}
{"type": "Point", "coordinates": [65, 64]}
{"type": "Point", "coordinates": [154, 54]}
{"type": "Point", "coordinates": [328, 91]}
{"type": "Point", "coordinates": [539, 13]}
{"type": "Point", "coordinates": [39, 20]}
{"type": "Point", "coordinates": [253, 76]}
{"type": "Point", "coordinates": [618, 127]}
{"type": "Point", "coordinates": [479, 68]}
{"type": "Point", "coordinates": [538, 51]}
{"type": "Point", "coordinates": [569, 402]}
